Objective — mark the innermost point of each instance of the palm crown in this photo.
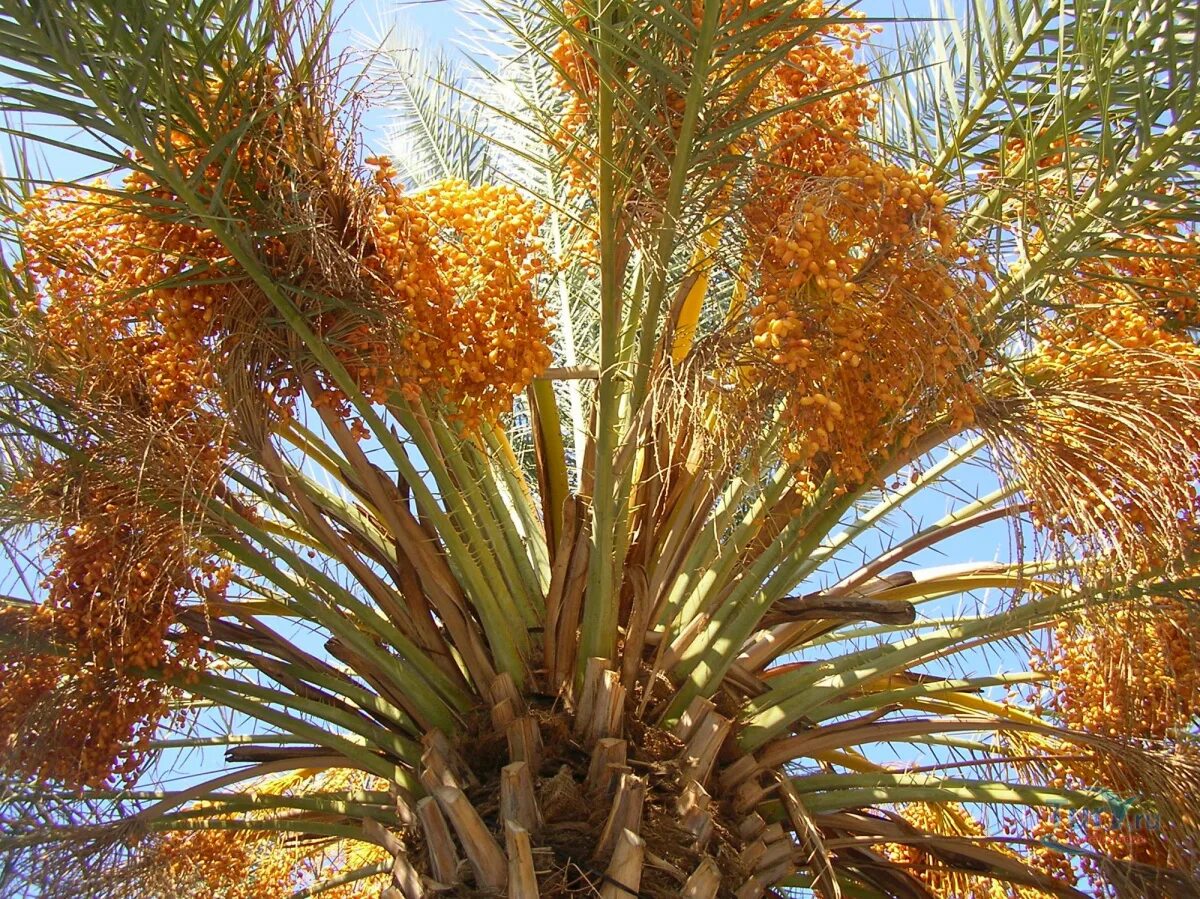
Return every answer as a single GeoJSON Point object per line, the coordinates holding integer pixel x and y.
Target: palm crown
{"type": "Point", "coordinates": [542, 511]}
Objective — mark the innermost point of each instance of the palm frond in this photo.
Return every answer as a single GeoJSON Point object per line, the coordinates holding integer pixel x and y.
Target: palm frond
{"type": "Point", "coordinates": [435, 127]}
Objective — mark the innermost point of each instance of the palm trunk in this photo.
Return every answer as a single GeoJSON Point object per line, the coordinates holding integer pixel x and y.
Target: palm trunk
{"type": "Point", "coordinates": [536, 800]}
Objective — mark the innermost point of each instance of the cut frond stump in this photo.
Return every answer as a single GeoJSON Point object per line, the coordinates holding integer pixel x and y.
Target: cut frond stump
{"type": "Point", "coordinates": [592, 685]}
{"type": "Point", "coordinates": [439, 844]}
{"type": "Point", "coordinates": [406, 879]}
{"type": "Point", "coordinates": [704, 882]}
{"type": "Point", "coordinates": [504, 687]}
{"type": "Point", "coordinates": [381, 836]}
{"type": "Point", "coordinates": [693, 808]}
{"type": "Point", "coordinates": [704, 744]}
{"type": "Point", "coordinates": [525, 741]}
{"type": "Point", "coordinates": [503, 714]}
{"type": "Point", "coordinates": [625, 815]}
{"type": "Point", "coordinates": [751, 826]}
{"type": "Point", "coordinates": [608, 760]}
{"type": "Point", "coordinates": [483, 852]}
{"type": "Point", "coordinates": [623, 877]}
{"type": "Point", "coordinates": [518, 802]}
{"type": "Point", "coordinates": [699, 709]}
{"type": "Point", "coordinates": [607, 709]}
{"type": "Point", "coordinates": [522, 876]}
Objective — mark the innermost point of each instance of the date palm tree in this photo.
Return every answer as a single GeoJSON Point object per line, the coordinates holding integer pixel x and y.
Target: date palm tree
{"type": "Point", "coordinates": [590, 498]}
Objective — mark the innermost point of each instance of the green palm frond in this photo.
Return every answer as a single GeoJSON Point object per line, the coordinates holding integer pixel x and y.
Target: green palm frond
{"type": "Point", "coordinates": [1088, 96]}
{"type": "Point", "coordinates": [435, 131]}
